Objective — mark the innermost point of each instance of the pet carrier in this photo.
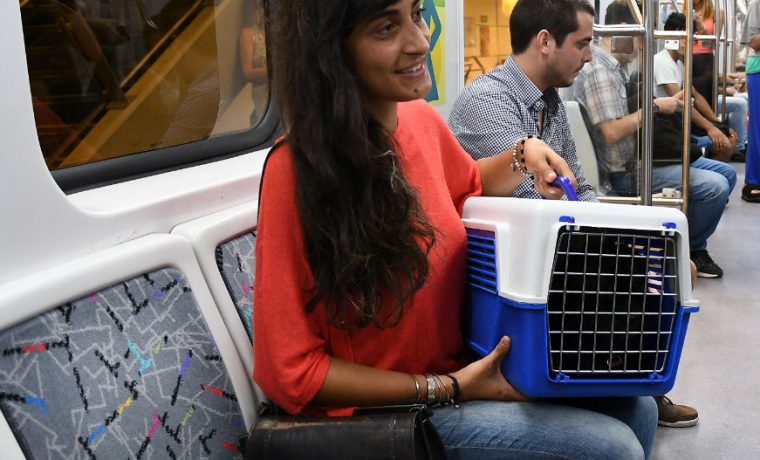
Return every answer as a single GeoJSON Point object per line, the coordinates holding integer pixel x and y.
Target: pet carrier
{"type": "Point", "coordinates": [595, 297]}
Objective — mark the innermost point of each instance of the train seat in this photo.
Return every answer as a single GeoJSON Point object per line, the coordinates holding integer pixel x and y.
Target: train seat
{"type": "Point", "coordinates": [224, 246]}
{"type": "Point", "coordinates": [120, 354]}
{"type": "Point", "coordinates": [583, 144]}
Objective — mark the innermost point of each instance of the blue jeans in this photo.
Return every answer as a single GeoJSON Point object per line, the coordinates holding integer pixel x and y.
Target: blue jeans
{"type": "Point", "coordinates": [710, 184]}
{"type": "Point", "coordinates": [602, 428]}
{"type": "Point", "coordinates": [736, 111]}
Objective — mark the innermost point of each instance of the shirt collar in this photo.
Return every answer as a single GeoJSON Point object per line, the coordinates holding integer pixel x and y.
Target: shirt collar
{"type": "Point", "coordinates": [604, 57]}
{"type": "Point", "coordinates": [527, 92]}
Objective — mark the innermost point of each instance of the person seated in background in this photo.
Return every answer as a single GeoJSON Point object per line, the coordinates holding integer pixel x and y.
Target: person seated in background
{"type": "Point", "coordinates": [601, 89]}
{"type": "Point", "coordinates": [668, 80]}
{"type": "Point", "coordinates": [253, 59]}
{"type": "Point", "coordinates": [519, 99]}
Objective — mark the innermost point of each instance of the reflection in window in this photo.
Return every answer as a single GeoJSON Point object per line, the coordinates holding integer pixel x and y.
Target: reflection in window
{"type": "Point", "coordinates": [486, 35]}
{"type": "Point", "coordinates": [112, 78]}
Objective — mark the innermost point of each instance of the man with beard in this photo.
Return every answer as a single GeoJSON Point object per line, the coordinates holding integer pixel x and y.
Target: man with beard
{"type": "Point", "coordinates": [551, 41]}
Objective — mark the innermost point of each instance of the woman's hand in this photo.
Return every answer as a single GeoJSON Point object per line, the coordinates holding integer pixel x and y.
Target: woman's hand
{"type": "Point", "coordinates": [483, 379]}
{"type": "Point", "coordinates": [546, 164]}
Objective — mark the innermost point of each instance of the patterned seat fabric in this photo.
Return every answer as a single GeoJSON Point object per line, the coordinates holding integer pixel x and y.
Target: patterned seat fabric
{"type": "Point", "coordinates": [128, 372]}
{"type": "Point", "coordinates": [236, 262]}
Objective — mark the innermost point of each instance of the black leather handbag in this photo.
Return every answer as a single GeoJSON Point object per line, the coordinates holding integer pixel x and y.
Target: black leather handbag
{"type": "Point", "coordinates": [391, 432]}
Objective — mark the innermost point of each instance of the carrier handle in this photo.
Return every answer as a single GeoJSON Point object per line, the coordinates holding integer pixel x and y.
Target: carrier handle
{"type": "Point", "coordinates": [567, 186]}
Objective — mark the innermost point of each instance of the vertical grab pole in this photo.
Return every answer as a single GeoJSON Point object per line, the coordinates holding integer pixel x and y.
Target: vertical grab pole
{"type": "Point", "coordinates": [687, 90]}
{"type": "Point", "coordinates": [734, 38]}
{"type": "Point", "coordinates": [716, 68]}
{"type": "Point", "coordinates": [725, 62]}
{"type": "Point", "coordinates": [646, 159]}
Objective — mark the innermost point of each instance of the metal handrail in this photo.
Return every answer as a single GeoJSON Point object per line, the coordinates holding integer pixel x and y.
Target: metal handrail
{"type": "Point", "coordinates": [718, 22]}
{"type": "Point", "coordinates": [725, 64]}
{"type": "Point", "coordinates": [634, 7]}
{"type": "Point", "coordinates": [648, 97]}
{"type": "Point", "coordinates": [137, 69]}
{"type": "Point", "coordinates": [687, 96]}
{"type": "Point", "coordinates": [627, 30]}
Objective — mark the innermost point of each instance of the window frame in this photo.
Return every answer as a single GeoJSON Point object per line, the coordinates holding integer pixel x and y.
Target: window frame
{"type": "Point", "coordinates": [110, 171]}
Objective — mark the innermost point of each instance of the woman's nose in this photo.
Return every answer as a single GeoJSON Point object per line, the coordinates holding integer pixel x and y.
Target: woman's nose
{"type": "Point", "coordinates": [418, 39]}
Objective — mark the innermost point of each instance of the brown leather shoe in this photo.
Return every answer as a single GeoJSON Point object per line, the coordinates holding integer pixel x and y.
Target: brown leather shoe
{"type": "Point", "coordinates": [675, 415]}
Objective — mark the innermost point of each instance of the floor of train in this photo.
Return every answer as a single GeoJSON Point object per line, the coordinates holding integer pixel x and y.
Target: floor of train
{"type": "Point", "coordinates": [719, 370]}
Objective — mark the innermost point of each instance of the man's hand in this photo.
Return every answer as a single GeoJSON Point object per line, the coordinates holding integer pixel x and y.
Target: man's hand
{"type": "Point", "coordinates": [668, 105]}
{"type": "Point", "coordinates": [719, 140]}
{"type": "Point", "coordinates": [546, 164]}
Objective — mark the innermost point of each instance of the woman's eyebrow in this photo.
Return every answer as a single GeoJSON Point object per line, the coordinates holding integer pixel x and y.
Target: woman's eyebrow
{"type": "Point", "coordinates": [390, 11]}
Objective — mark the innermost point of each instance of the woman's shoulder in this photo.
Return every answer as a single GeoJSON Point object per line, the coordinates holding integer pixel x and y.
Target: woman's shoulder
{"type": "Point", "coordinates": [279, 161]}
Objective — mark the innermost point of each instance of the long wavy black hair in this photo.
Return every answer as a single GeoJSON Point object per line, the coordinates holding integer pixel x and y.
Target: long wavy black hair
{"type": "Point", "coordinates": [366, 237]}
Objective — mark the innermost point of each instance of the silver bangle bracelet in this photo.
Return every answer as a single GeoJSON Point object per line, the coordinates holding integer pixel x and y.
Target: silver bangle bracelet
{"type": "Point", "coordinates": [417, 388]}
{"type": "Point", "coordinates": [431, 389]}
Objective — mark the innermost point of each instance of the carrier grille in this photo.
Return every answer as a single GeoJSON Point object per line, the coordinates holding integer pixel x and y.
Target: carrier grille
{"type": "Point", "coordinates": [481, 259]}
{"type": "Point", "coordinates": [612, 303]}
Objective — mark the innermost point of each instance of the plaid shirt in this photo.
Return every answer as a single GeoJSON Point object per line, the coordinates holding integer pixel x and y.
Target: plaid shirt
{"type": "Point", "coordinates": [600, 89]}
{"type": "Point", "coordinates": [502, 106]}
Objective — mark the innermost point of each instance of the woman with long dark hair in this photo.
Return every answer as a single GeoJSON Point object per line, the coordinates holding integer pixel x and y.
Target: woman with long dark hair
{"type": "Point", "coordinates": [360, 252]}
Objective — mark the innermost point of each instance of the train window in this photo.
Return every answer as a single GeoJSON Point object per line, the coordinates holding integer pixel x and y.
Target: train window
{"type": "Point", "coordinates": [111, 79]}
{"type": "Point", "coordinates": [486, 35]}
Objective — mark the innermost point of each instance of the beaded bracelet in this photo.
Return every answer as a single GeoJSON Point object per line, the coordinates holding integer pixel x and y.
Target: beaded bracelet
{"type": "Point", "coordinates": [457, 389]}
{"type": "Point", "coordinates": [518, 158]}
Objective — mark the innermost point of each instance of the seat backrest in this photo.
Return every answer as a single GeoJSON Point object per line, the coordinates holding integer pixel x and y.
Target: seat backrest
{"type": "Point", "coordinates": [224, 247]}
{"type": "Point", "coordinates": [583, 144]}
{"type": "Point", "coordinates": [121, 354]}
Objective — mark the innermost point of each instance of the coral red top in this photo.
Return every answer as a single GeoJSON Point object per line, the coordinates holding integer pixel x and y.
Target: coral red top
{"type": "Point", "coordinates": [292, 348]}
{"type": "Point", "coordinates": [704, 47]}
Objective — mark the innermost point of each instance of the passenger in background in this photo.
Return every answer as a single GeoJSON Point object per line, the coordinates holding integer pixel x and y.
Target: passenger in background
{"type": "Point", "coordinates": [519, 98]}
{"type": "Point", "coordinates": [360, 255]}
{"type": "Point", "coordinates": [601, 90]}
{"type": "Point", "coordinates": [751, 37]}
{"type": "Point", "coordinates": [253, 59]}
{"type": "Point", "coordinates": [704, 57]}
{"type": "Point", "coordinates": [668, 80]}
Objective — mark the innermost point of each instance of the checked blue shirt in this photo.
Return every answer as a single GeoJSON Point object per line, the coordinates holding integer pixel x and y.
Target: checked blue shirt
{"type": "Point", "coordinates": [502, 106]}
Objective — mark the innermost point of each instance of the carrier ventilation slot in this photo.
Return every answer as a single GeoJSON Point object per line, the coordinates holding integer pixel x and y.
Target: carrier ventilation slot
{"type": "Point", "coordinates": [612, 304]}
{"type": "Point", "coordinates": [481, 260]}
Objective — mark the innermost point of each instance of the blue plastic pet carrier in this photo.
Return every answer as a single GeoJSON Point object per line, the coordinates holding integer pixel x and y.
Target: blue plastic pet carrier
{"type": "Point", "coordinates": [593, 308]}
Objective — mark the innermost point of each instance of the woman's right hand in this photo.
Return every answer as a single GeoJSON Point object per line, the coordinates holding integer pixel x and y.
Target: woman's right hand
{"type": "Point", "coordinates": [483, 379]}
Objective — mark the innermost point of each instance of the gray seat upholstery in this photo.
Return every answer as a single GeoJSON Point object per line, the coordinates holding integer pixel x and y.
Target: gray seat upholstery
{"type": "Point", "coordinates": [236, 262]}
{"type": "Point", "coordinates": [137, 369]}
{"type": "Point", "coordinates": [583, 144]}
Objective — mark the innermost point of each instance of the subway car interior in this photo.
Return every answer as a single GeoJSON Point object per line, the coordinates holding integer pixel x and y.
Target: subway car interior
{"type": "Point", "coordinates": [135, 134]}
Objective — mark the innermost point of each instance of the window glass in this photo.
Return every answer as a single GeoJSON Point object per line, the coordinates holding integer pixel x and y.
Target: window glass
{"type": "Point", "coordinates": [486, 35]}
{"type": "Point", "coordinates": [111, 78]}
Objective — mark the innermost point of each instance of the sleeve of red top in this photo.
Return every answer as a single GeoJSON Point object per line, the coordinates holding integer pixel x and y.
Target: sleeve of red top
{"type": "Point", "coordinates": [289, 354]}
